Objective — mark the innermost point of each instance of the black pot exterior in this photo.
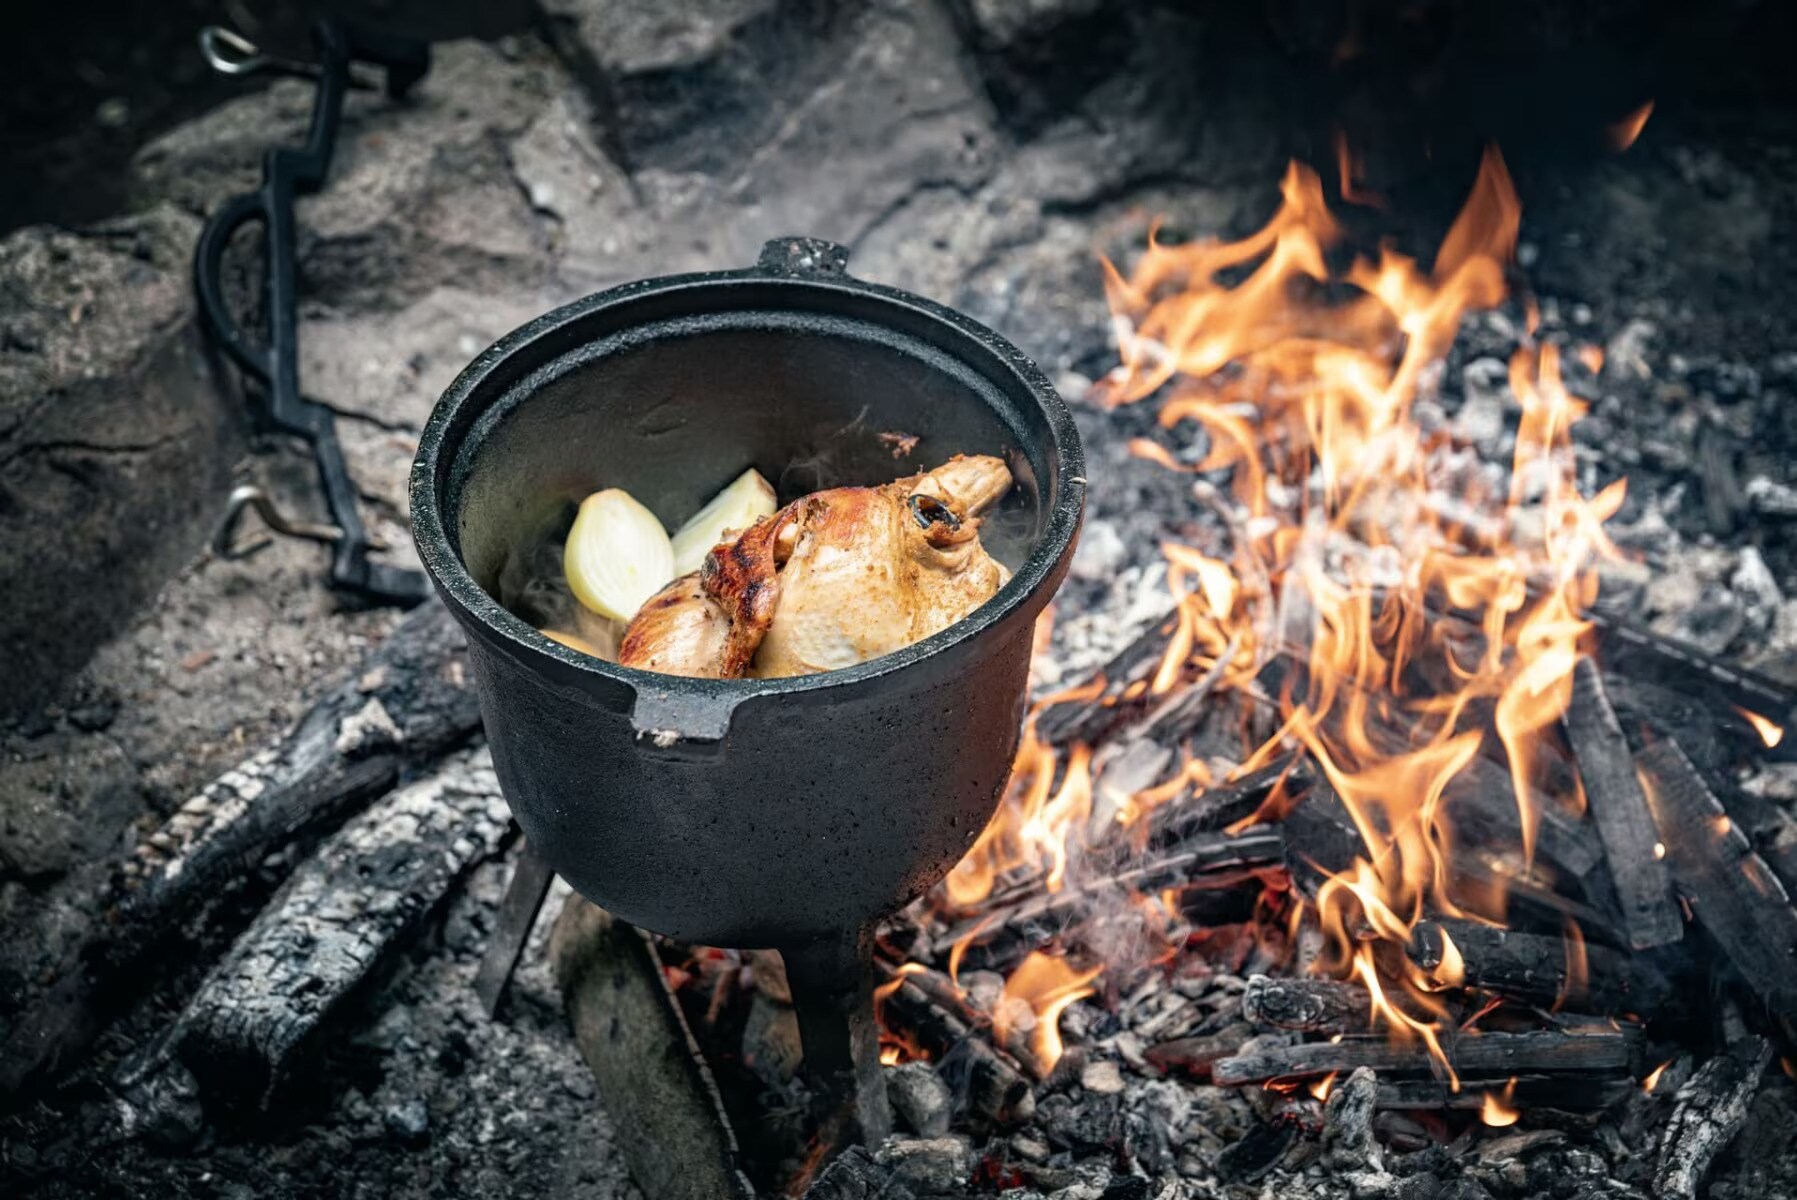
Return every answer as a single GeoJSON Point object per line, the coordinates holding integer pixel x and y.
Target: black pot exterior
{"type": "Point", "coordinates": [743, 812]}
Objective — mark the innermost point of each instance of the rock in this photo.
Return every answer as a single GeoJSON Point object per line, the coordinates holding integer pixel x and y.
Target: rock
{"type": "Point", "coordinates": [115, 444]}
{"type": "Point", "coordinates": [419, 196]}
{"type": "Point", "coordinates": [940, 1164]}
{"type": "Point", "coordinates": [920, 1098]}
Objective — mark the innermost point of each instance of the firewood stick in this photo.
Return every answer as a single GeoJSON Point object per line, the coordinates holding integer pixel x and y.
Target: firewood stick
{"type": "Point", "coordinates": [337, 921]}
{"type": "Point", "coordinates": [1739, 902]}
{"type": "Point", "coordinates": [1310, 1005]}
{"type": "Point", "coordinates": [409, 702]}
{"type": "Point", "coordinates": [1707, 1114]}
{"type": "Point", "coordinates": [1598, 1049]}
{"type": "Point", "coordinates": [653, 1080]}
{"type": "Point", "coordinates": [1540, 969]}
{"type": "Point", "coordinates": [1619, 807]}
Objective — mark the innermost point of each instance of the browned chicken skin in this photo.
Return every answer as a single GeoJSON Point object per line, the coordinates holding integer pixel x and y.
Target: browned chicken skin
{"type": "Point", "coordinates": [834, 579]}
{"type": "Point", "coordinates": [708, 624]}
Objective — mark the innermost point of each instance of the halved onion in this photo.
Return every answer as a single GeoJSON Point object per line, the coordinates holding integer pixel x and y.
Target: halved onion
{"type": "Point", "coordinates": [618, 555]}
{"type": "Point", "coordinates": [748, 499]}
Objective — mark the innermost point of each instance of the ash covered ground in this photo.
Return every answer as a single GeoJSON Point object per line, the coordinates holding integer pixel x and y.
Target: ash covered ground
{"type": "Point", "coordinates": [978, 156]}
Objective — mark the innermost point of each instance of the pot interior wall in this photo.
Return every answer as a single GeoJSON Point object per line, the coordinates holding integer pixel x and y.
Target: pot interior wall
{"type": "Point", "coordinates": [670, 410]}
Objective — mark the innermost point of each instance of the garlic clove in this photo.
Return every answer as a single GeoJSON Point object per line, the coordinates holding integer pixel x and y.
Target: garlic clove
{"type": "Point", "coordinates": [618, 555]}
{"type": "Point", "coordinates": [747, 499]}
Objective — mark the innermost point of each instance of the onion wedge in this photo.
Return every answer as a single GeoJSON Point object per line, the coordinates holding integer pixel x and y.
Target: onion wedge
{"type": "Point", "coordinates": [748, 499]}
{"type": "Point", "coordinates": [618, 555]}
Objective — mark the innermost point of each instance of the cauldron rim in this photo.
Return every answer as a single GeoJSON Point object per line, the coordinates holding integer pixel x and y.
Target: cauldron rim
{"type": "Point", "coordinates": [1040, 572]}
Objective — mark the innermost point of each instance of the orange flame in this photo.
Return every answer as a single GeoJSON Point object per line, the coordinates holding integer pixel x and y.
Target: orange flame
{"type": "Point", "coordinates": [1771, 734]}
{"type": "Point", "coordinates": [1653, 1077]}
{"type": "Point", "coordinates": [1356, 526]}
{"type": "Point", "coordinates": [1034, 997]}
{"type": "Point", "coordinates": [1622, 135]}
{"type": "Point", "coordinates": [1497, 1109]}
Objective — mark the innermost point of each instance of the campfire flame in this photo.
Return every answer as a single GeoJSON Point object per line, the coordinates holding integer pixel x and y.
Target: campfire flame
{"type": "Point", "coordinates": [1496, 1108]}
{"type": "Point", "coordinates": [1429, 609]}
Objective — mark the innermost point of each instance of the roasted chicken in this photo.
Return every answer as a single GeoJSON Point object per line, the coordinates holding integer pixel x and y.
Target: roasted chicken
{"type": "Point", "coordinates": [834, 579]}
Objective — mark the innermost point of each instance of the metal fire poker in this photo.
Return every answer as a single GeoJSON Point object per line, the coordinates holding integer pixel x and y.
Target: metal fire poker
{"type": "Point", "coordinates": [288, 172]}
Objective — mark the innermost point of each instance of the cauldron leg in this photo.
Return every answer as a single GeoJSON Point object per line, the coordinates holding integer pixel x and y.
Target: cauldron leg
{"type": "Point", "coordinates": [832, 989]}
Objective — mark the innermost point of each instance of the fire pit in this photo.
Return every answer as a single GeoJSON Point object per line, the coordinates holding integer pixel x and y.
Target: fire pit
{"type": "Point", "coordinates": [788, 813]}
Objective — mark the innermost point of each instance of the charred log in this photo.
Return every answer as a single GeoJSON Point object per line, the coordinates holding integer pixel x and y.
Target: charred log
{"type": "Point", "coordinates": [1540, 969]}
{"type": "Point", "coordinates": [1739, 902]}
{"type": "Point", "coordinates": [408, 703]}
{"type": "Point", "coordinates": [1544, 1051]}
{"type": "Point", "coordinates": [1707, 1114]}
{"type": "Point", "coordinates": [1567, 1093]}
{"type": "Point", "coordinates": [1619, 808]}
{"type": "Point", "coordinates": [1310, 1005]}
{"type": "Point", "coordinates": [335, 924]}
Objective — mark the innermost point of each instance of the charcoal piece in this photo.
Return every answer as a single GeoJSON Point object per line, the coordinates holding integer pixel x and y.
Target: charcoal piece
{"type": "Point", "coordinates": [653, 1080]}
{"type": "Point", "coordinates": [1565, 1093]}
{"type": "Point", "coordinates": [336, 922]}
{"type": "Point", "coordinates": [920, 1099]}
{"type": "Point", "coordinates": [1534, 968]}
{"type": "Point", "coordinates": [1619, 809]}
{"type": "Point", "coordinates": [1313, 1005]}
{"type": "Point", "coordinates": [1348, 1141]}
{"type": "Point", "coordinates": [403, 707]}
{"type": "Point", "coordinates": [854, 1175]}
{"type": "Point", "coordinates": [985, 1083]}
{"type": "Point", "coordinates": [1735, 898]}
{"type": "Point", "coordinates": [1087, 1123]}
{"type": "Point", "coordinates": [1600, 1049]}
{"type": "Point", "coordinates": [1257, 1152]}
{"type": "Point", "coordinates": [1708, 1111]}
{"type": "Point", "coordinates": [928, 1165]}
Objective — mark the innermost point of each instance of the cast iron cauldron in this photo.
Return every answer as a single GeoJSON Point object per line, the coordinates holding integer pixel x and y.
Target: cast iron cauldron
{"type": "Point", "coordinates": [789, 813]}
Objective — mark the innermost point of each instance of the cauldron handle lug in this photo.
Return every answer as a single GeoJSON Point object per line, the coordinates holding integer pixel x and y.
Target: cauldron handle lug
{"type": "Point", "coordinates": [832, 992]}
{"type": "Point", "coordinates": [681, 723]}
{"type": "Point", "coordinates": [804, 256]}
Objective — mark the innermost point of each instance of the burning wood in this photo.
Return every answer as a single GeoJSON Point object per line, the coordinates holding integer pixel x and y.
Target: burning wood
{"type": "Point", "coordinates": [1619, 807]}
{"type": "Point", "coordinates": [1545, 1050]}
{"type": "Point", "coordinates": [1536, 969]}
